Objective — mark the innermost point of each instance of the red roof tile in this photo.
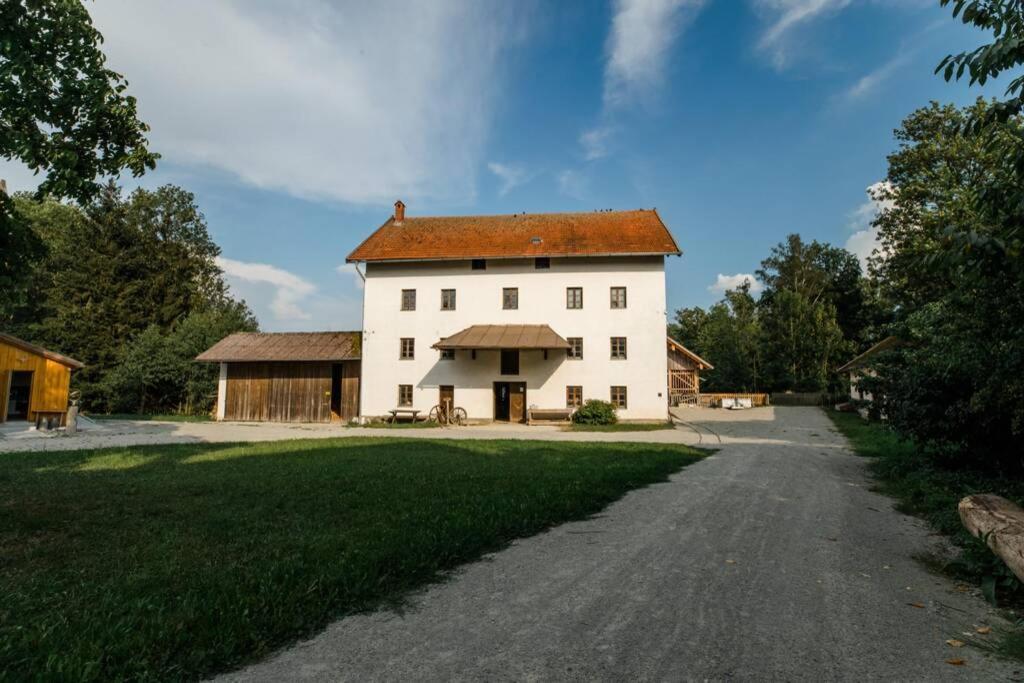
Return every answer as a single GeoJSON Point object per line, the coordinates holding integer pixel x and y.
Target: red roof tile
{"type": "Point", "coordinates": [598, 233]}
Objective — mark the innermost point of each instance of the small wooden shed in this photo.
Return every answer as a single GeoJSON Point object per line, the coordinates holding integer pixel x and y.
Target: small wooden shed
{"type": "Point", "coordinates": [33, 381]}
{"type": "Point", "coordinates": [287, 376]}
{"type": "Point", "coordinates": [684, 368]}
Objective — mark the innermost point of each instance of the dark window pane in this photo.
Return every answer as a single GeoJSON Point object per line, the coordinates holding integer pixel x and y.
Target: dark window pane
{"type": "Point", "coordinates": [479, 264]}
{"type": "Point", "coordinates": [542, 263]}
{"type": "Point", "coordinates": [618, 348]}
{"type": "Point", "coordinates": [447, 354]}
{"type": "Point", "coordinates": [509, 362]}
{"type": "Point", "coordinates": [510, 298]}
{"type": "Point", "coordinates": [619, 397]}
{"type": "Point", "coordinates": [407, 349]}
{"type": "Point", "coordinates": [447, 299]}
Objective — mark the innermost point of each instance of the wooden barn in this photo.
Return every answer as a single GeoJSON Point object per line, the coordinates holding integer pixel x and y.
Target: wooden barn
{"type": "Point", "coordinates": [34, 382]}
{"type": "Point", "coordinates": [684, 368]}
{"type": "Point", "coordinates": [287, 376]}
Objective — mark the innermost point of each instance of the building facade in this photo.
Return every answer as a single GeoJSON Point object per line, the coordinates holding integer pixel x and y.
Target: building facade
{"type": "Point", "coordinates": [500, 314]}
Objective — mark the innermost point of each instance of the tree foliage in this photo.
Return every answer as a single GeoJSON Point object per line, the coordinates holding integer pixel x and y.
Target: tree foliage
{"type": "Point", "coordinates": [62, 111]}
{"type": "Point", "coordinates": [124, 286]}
{"type": "Point", "coordinates": [957, 387]}
{"type": "Point", "coordinates": [63, 114]}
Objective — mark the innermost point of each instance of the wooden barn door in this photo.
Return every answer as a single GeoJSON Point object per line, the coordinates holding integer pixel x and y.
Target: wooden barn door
{"type": "Point", "coordinates": [278, 392]}
{"type": "Point", "coordinates": [350, 376]}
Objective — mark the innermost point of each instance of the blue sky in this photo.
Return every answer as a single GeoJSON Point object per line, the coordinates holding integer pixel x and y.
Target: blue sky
{"type": "Point", "coordinates": [740, 120]}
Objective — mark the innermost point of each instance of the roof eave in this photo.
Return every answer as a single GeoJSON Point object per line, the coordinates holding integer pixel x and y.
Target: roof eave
{"type": "Point", "coordinates": [506, 257]}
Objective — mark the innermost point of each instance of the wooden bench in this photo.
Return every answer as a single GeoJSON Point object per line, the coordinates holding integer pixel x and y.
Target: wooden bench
{"type": "Point", "coordinates": [535, 415]}
{"type": "Point", "coordinates": [402, 412]}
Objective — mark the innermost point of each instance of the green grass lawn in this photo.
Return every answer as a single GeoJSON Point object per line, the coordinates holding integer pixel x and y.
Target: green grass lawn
{"type": "Point", "coordinates": [169, 417]}
{"type": "Point", "coordinates": [175, 562]}
{"type": "Point", "coordinates": [621, 427]}
{"type": "Point", "coordinates": [924, 489]}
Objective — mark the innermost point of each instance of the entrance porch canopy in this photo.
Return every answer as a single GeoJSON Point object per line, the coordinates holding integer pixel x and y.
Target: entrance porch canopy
{"type": "Point", "coordinates": [503, 337]}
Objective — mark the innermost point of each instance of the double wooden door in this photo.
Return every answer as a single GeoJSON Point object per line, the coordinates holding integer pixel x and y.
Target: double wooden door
{"type": "Point", "coordinates": [510, 401]}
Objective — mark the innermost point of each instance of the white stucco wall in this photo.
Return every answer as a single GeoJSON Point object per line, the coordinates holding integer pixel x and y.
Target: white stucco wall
{"type": "Point", "coordinates": [542, 299]}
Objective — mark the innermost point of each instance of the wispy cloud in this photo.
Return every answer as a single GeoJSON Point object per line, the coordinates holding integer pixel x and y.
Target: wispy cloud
{"type": "Point", "coordinates": [723, 283]}
{"type": "Point", "coordinates": [350, 269]}
{"type": "Point", "coordinates": [864, 240]}
{"type": "Point", "coordinates": [785, 16]}
{"type": "Point", "coordinates": [641, 37]}
{"type": "Point", "coordinates": [510, 175]}
{"type": "Point", "coordinates": [359, 103]}
{"type": "Point", "coordinates": [572, 183]}
{"type": "Point", "coordinates": [288, 289]}
{"type": "Point", "coordinates": [595, 142]}
{"type": "Point", "coordinates": [871, 81]}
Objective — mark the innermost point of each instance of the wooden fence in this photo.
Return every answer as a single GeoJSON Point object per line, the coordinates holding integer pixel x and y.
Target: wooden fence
{"type": "Point", "coordinates": [715, 400]}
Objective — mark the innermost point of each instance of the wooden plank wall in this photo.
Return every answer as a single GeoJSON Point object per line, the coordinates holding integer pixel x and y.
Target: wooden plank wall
{"type": "Point", "coordinates": [350, 376]}
{"type": "Point", "coordinates": [50, 379]}
{"type": "Point", "coordinates": [279, 392]}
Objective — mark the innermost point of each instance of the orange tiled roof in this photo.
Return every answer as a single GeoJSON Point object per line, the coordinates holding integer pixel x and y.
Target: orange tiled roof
{"type": "Point", "coordinates": [597, 233]}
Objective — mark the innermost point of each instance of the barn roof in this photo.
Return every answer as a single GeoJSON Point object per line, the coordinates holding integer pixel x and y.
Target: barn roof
{"type": "Point", "coordinates": [40, 351]}
{"type": "Point", "coordinates": [504, 337]}
{"type": "Point", "coordinates": [862, 359]}
{"type": "Point", "coordinates": [595, 233]}
{"type": "Point", "coordinates": [284, 346]}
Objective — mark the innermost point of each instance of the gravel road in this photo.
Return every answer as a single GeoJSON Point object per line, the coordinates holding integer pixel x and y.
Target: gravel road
{"type": "Point", "coordinates": [769, 560]}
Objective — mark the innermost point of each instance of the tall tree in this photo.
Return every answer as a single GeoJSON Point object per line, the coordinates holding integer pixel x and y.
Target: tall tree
{"type": "Point", "coordinates": [63, 114]}
{"type": "Point", "coordinates": [115, 269]}
{"type": "Point", "coordinates": [728, 336]}
{"type": "Point", "coordinates": [956, 285]}
{"type": "Point", "coordinates": [812, 312]}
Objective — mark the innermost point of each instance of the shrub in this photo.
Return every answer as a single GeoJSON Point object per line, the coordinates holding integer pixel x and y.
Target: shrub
{"type": "Point", "coordinates": [595, 412]}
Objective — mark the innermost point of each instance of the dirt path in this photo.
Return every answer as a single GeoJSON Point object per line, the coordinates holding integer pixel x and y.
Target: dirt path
{"type": "Point", "coordinates": [770, 560]}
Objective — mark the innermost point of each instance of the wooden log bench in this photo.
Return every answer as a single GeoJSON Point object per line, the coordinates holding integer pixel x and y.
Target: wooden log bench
{"type": "Point", "coordinates": [1000, 523]}
{"type": "Point", "coordinates": [548, 415]}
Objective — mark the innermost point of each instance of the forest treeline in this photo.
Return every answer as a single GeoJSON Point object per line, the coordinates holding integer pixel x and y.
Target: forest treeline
{"type": "Point", "coordinates": [128, 285]}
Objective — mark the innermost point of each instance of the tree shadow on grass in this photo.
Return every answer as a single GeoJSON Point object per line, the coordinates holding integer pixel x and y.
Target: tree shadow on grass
{"type": "Point", "coordinates": [183, 560]}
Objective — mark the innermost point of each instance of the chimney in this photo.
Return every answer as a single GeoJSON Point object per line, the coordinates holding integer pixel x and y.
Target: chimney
{"type": "Point", "coordinates": [399, 211]}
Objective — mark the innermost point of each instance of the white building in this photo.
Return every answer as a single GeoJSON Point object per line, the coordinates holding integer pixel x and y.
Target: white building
{"type": "Point", "coordinates": [499, 314]}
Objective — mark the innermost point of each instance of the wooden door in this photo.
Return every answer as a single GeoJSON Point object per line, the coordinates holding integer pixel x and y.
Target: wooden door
{"type": "Point", "coordinates": [350, 378]}
{"type": "Point", "coordinates": [517, 402]}
{"type": "Point", "coordinates": [446, 399]}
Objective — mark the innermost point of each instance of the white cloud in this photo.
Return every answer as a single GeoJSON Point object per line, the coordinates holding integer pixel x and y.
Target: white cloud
{"type": "Point", "coordinates": [511, 176]}
{"type": "Point", "coordinates": [288, 289]}
{"type": "Point", "coordinates": [358, 103]}
{"type": "Point", "coordinates": [864, 240]}
{"type": "Point", "coordinates": [785, 17]}
{"type": "Point", "coordinates": [724, 283]}
{"type": "Point", "coordinates": [572, 184]}
{"type": "Point", "coordinates": [595, 142]}
{"type": "Point", "coordinates": [641, 36]}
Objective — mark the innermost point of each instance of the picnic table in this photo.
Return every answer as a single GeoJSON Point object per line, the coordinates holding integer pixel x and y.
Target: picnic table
{"type": "Point", "coordinates": [412, 413]}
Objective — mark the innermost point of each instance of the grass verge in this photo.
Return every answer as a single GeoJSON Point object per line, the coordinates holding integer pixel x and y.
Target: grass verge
{"type": "Point", "coordinates": [406, 424]}
{"type": "Point", "coordinates": [621, 427]}
{"type": "Point", "coordinates": [168, 417]}
{"type": "Point", "coordinates": [924, 489]}
{"type": "Point", "coordinates": [177, 562]}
